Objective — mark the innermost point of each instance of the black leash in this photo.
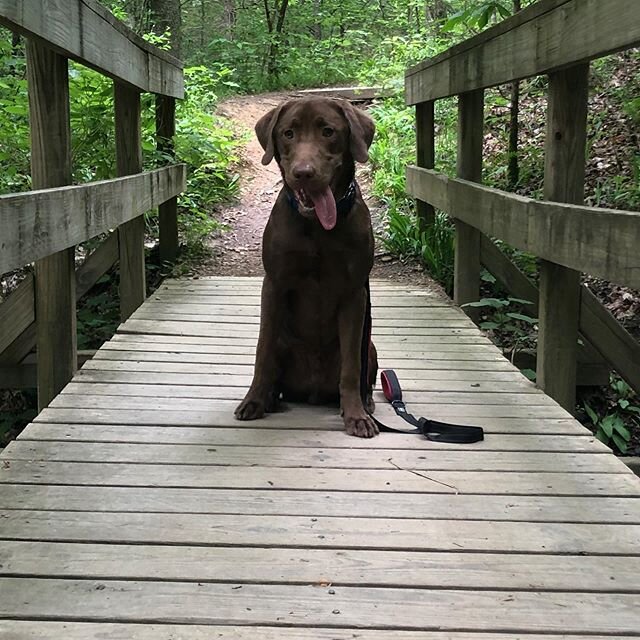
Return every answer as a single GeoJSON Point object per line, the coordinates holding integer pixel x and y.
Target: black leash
{"type": "Point", "coordinates": [430, 429]}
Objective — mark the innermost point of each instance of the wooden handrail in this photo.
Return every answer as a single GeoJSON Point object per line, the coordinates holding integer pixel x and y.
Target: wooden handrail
{"type": "Point", "coordinates": [555, 37]}
{"type": "Point", "coordinates": [39, 223]}
{"type": "Point", "coordinates": [86, 32]}
{"type": "Point", "coordinates": [546, 36]}
{"type": "Point", "coordinates": [603, 242]}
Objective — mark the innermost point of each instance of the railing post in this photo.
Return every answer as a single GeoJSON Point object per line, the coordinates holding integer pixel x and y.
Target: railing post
{"type": "Point", "coordinates": [130, 234]}
{"type": "Point", "coordinates": [466, 280]}
{"type": "Point", "coordinates": [55, 299]}
{"type": "Point", "coordinates": [168, 211]}
{"type": "Point", "coordinates": [563, 182]}
{"type": "Point", "coordinates": [425, 152]}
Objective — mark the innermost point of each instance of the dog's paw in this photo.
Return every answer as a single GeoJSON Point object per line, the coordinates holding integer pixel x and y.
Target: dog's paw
{"type": "Point", "coordinates": [250, 409]}
{"type": "Point", "coordinates": [360, 425]}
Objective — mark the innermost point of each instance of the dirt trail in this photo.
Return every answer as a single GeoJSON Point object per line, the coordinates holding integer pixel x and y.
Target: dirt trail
{"type": "Point", "coordinates": [236, 251]}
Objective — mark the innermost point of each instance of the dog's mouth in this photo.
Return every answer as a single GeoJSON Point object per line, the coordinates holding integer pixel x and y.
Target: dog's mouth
{"type": "Point", "coordinates": [322, 202]}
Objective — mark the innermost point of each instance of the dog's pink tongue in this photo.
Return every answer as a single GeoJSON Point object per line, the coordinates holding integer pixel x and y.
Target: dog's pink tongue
{"type": "Point", "coordinates": [325, 206]}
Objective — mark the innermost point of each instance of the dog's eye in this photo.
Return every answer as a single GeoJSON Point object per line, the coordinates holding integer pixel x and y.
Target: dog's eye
{"type": "Point", "coordinates": [327, 132]}
{"type": "Point", "coordinates": [288, 133]}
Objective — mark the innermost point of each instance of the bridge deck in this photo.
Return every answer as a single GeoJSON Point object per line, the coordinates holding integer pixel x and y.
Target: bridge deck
{"type": "Point", "coordinates": [136, 507]}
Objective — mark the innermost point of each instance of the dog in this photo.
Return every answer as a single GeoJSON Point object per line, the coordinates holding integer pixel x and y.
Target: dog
{"type": "Point", "coordinates": [317, 251]}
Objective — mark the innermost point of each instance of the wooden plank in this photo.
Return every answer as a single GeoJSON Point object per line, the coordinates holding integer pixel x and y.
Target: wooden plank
{"type": "Point", "coordinates": [337, 533]}
{"type": "Point", "coordinates": [84, 211]}
{"type": "Point", "coordinates": [168, 211]}
{"type": "Point", "coordinates": [354, 94]}
{"type": "Point", "coordinates": [30, 630]}
{"type": "Point", "coordinates": [141, 396]}
{"type": "Point", "coordinates": [376, 480]}
{"type": "Point", "coordinates": [86, 32]}
{"type": "Point", "coordinates": [466, 277]}
{"type": "Point", "coordinates": [91, 270]}
{"type": "Point", "coordinates": [288, 458]}
{"type": "Point", "coordinates": [209, 355]}
{"type": "Point", "coordinates": [610, 338]}
{"type": "Point", "coordinates": [425, 153]}
{"type": "Point", "coordinates": [592, 370]}
{"type": "Point", "coordinates": [347, 504]}
{"type": "Point", "coordinates": [574, 236]}
{"type": "Point", "coordinates": [178, 602]}
{"type": "Point", "coordinates": [133, 288]}
{"type": "Point", "coordinates": [145, 313]}
{"type": "Point", "coordinates": [17, 312]}
{"type": "Point", "coordinates": [538, 40]}
{"type": "Point", "coordinates": [559, 297]}
{"type": "Point", "coordinates": [436, 370]}
{"type": "Point", "coordinates": [298, 417]}
{"type": "Point", "coordinates": [298, 438]}
{"type": "Point", "coordinates": [169, 327]}
{"type": "Point", "coordinates": [223, 415]}
{"type": "Point", "coordinates": [54, 281]}
{"type": "Point", "coordinates": [340, 568]}
{"type": "Point", "coordinates": [25, 375]}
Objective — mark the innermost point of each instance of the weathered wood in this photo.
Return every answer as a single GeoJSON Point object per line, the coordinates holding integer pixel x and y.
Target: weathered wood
{"type": "Point", "coordinates": [130, 234]}
{"type": "Point", "coordinates": [430, 506]}
{"type": "Point", "coordinates": [91, 270]}
{"type": "Point", "coordinates": [83, 211]}
{"type": "Point", "coordinates": [167, 211]}
{"type": "Point", "coordinates": [86, 32]}
{"type": "Point", "coordinates": [300, 438]}
{"type": "Point", "coordinates": [543, 37]}
{"type": "Point", "coordinates": [574, 236]}
{"type": "Point", "coordinates": [466, 278]}
{"type": "Point", "coordinates": [25, 374]}
{"type": "Point", "coordinates": [17, 312]}
{"type": "Point", "coordinates": [354, 94]}
{"type": "Point", "coordinates": [29, 630]}
{"type": "Point", "coordinates": [341, 568]}
{"type": "Point", "coordinates": [178, 602]}
{"type": "Point", "coordinates": [592, 370]}
{"type": "Point", "coordinates": [610, 338]}
{"type": "Point", "coordinates": [425, 152]}
{"type": "Point", "coordinates": [337, 533]}
{"type": "Point", "coordinates": [54, 282]}
{"type": "Point", "coordinates": [559, 298]}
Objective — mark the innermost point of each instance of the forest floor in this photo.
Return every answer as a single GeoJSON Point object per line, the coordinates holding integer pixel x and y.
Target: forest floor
{"type": "Point", "coordinates": [236, 250]}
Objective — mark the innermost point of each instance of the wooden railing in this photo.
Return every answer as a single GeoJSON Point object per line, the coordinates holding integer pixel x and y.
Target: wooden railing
{"type": "Point", "coordinates": [44, 225]}
{"type": "Point", "coordinates": [558, 38]}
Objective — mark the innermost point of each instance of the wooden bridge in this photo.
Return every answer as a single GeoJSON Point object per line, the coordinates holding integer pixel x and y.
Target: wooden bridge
{"type": "Point", "coordinates": [134, 506]}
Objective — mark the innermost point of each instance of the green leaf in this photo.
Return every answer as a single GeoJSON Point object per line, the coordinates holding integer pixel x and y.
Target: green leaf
{"type": "Point", "coordinates": [529, 373]}
{"type": "Point", "coordinates": [620, 443]}
{"type": "Point", "coordinates": [623, 403]}
{"type": "Point", "coordinates": [591, 413]}
{"type": "Point", "coordinates": [519, 300]}
{"type": "Point", "coordinates": [622, 431]}
{"type": "Point", "coordinates": [520, 316]}
{"type": "Point", "coordinates": [489, 325]}
{"type": "Point", "coordinates": [607, 425]}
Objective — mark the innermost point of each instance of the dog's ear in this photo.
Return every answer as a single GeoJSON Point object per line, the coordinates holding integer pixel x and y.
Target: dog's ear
{"type": "Point", "coordinates": [264, 130]}
{"type": "Point", "coordinates": [362, 130]}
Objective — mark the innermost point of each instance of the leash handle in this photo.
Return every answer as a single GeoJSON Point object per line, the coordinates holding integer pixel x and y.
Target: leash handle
{"type": "Point", "coordinates": [430, 429]}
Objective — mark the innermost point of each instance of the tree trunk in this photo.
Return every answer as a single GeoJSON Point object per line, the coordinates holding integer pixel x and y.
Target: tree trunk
{"type": "Point", "coordinates": [513, 168]}
{"type": "Point", "coordinates": [275, 24]}
{"type": "Point", "coordinates": [166, 14]}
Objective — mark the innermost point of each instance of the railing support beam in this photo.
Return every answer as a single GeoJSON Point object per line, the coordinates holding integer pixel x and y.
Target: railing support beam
{"type": "Point", "coordinates": [55, 297]}
{"type": "Point", "coordinates": [130, 234]}
{"type": "Point", "coordinates": [466, 280]}
{"type": "Point", "coordinates": [563, 182]}
{"type": "Point", "coordinates": [168, 211]}
{"type": "Point", "coordinates": [425, 154]}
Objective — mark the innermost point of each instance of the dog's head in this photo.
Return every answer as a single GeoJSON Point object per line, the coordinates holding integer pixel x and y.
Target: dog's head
{"type": "Point", "coordinates": [315, 141]}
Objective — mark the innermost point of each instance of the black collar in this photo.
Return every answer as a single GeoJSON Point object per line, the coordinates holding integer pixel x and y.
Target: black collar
{"type": "Point", "coordinates": [343, 206]}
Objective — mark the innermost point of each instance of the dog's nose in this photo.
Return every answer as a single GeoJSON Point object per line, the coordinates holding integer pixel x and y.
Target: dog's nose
{"type": "Point", "coordinates": [303, 172]}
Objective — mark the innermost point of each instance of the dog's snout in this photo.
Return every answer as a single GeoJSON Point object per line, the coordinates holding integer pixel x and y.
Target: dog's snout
{"type": "Point", "coordinates": [303, 171]}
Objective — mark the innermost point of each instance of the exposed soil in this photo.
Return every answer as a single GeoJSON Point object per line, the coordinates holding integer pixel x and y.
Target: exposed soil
{"type": "Point", "coordinates": [237, 250]}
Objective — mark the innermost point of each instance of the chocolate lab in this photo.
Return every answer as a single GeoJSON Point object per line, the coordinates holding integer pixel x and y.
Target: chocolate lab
{"type": "Point", "coordinates": [317, 251]}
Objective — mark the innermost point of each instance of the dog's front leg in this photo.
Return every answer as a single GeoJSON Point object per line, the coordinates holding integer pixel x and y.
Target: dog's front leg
{"type": "Point", "coordinates": [260, 397]}
{"type": "Point", "coordinates": [350, 326]}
